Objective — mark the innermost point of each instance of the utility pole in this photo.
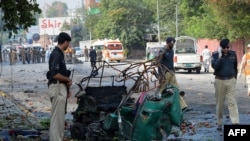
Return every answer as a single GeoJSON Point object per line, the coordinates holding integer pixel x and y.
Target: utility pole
{"type": "Point", "coordinates": [90, 36]}
{"type": "Point", "coordinates": [1, 22]}
{"type": "Point", "coordinates": [158, 22]}
{"type": "Point", "coordinates": [83, 19]}
{"type": "Point", "coordinates": [176, 20]}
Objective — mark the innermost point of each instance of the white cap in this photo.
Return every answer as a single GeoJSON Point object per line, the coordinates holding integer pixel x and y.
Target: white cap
{"type": "Point", "coordinates": [248, 45]}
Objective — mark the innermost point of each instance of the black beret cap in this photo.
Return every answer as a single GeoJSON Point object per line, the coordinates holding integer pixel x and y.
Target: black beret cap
{"type": "Point", "coordinates": [170, 39]}
{"type": "Point", "coordinates": [224, 43]}
{"type": "Point", "coordinates": [65, 36]}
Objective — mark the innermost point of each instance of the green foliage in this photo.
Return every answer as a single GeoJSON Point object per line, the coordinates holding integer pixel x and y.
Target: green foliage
{"type": "Point", "coordinates": [17, 15]}
{"type": "Point", "coordinates": [233, 16]}
{"type": "Point", "coordinates": [194, 23]}
{"type": "Point", "coordinates": [126, 20]}
{"type": "Point", "coordinates": [131, 20]}
{"type": "Point", "coordinates": [81, 20]}
{"type": "Point", "coordinates": [76, 29]}
{"type": "Point", "coordinates": [167, 15]}
{"type": "Point", "coordinates": [125, 53]}
{"type": "Point", "coordinates": [199, 20]}
{"type": "Point", "coordinates": [215, 19]}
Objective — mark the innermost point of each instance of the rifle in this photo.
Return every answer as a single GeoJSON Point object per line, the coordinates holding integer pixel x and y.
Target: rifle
{"type": "Point", "coordinates": [69, 74]}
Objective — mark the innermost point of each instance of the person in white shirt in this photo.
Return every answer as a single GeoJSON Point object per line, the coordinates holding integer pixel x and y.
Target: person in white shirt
{"type": "Point", "coordinates": [206, 54]}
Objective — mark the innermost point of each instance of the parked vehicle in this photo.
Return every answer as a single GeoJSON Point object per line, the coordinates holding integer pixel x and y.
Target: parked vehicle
{"type": "Point", "coordinates": [186, 56]}
{"type": "Point", "coordinates": [114, 49]}
{"type": "Point", "coordinates": [78, 52]}
{"type": "Point", "coordinates": [69, 55]}
{"type": "Point", "coordinates": [153, 49]}
{"type": "Point", "coordinates": [98, 45]}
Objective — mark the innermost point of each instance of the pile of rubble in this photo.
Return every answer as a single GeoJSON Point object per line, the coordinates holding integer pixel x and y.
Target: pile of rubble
{"type": "Point", "coordinates": [18, 123]}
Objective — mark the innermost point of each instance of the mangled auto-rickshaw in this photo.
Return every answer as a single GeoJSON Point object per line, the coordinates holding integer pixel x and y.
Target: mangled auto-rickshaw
{"type": "Point", "coordinates": [126, 105]}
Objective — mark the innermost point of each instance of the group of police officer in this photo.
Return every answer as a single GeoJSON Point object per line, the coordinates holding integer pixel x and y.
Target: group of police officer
{"type": "Point", "coordinates": [25, 55]}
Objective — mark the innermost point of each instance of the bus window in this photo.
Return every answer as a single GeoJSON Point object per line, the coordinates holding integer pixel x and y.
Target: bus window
{"type": "Point", "coordinates": [98, 47]}
{"type": "Point", "coordinates": [114, 46]}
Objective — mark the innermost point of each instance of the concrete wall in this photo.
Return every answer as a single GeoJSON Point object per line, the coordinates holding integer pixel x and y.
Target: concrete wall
{"type": "Point", "coordinates": [238, 46]}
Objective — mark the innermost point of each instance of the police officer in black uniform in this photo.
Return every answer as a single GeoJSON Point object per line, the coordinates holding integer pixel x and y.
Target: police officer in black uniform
{"type": "Point", "coordinates": [59, 84]}
{"type": "Point", "coordinates": [166, 59]}
{"type": "Point", "coordinates": [224, 63]}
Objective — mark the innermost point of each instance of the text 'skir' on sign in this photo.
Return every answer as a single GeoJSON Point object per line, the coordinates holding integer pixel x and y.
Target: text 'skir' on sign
{"type": "Point", "coordinates": [52, 26]}
{"type": "Point", "coordinates": [241, 132]}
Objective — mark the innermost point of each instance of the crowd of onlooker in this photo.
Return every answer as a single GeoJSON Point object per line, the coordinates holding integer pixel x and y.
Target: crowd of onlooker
{"type": "Point", "coordinates": [28, 55]}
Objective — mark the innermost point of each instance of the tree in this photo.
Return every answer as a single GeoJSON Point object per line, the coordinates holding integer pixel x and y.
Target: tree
{"type": "Point", "coordinates": [76, 30]}
{"type": "Point", "coordinates": [167, 16]}
{"type": "Point", "coordinates": [233, 15]}
{"type": "Point", "coordinates": [198, 20]}
{"type": "Point", "coordinates": [57, 9]}
{"type": "Point", "coordinates": [130, 20]}
{"type": "Point", "coordinates": [17, 15]}
{"type": "Point", "coordinates": [127, 20]}
{"type": "Point", "coordinates": [215, 18]}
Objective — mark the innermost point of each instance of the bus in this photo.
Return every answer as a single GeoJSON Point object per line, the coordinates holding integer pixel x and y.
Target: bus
{"type": "Point", "coordinates": [112, 50]}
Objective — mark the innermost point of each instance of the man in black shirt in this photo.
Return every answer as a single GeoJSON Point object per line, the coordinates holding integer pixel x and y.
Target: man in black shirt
{"type": "Point", "coordinates": [166, 58]}
{"type": "Point", "coordinates": [92, 55]}
{"type": "Point", "coordinates": [224, 63]}
{"type": "Point", "coordinates": [59, 85]}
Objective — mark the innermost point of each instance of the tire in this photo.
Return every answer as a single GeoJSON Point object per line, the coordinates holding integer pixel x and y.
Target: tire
{"type": "Point", "coordinates": [189, 70]}
{"type": "Point", "coordinates": [198, 70]}
{"type": "Point", "coordinates": [78, 131]}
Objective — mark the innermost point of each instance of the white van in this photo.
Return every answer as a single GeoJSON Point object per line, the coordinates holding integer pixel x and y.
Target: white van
{"type": "Point", "coordinates": [186, 56]}
{"type": "Point", "coordinates": [98, 45]}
